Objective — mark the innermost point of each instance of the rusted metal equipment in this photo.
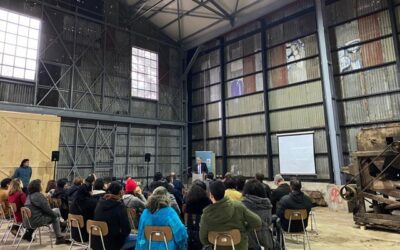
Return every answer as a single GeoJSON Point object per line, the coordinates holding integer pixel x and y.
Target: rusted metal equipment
{"type": "Point", "coordinates": [374, 187]}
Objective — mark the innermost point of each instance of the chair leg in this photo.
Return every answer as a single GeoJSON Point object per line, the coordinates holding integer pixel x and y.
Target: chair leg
{"type": "Point", "coordinates": [33, 237]}
{"type": "Point", "coordinates": [20, 239]}
{"type": "Point", "coordinates": [18, 231]}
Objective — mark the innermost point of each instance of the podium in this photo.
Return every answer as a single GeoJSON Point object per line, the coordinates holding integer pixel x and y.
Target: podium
{"type": "Point", "coordinates": [198, 177]}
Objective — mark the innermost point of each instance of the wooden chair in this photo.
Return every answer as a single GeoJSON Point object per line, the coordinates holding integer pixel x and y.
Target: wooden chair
{"type": "Point", "coordinates": [13, 222]}
{"type": "Point", "coordinates": [313, 223]}
{"type": "Point", "coordinates": [76, 221]}
{"type": "Point", "coordinates": [158, 234]}
{"type": "Point", "coordinates": [297, 215]}
{"type": "Point", "coordinates": [26, 215]}
{"type": "Point", "coordinates": [132, 217]}
{"type": "Point", "coordinates": [224, 238]}
{"type": "Point", "coordinates": [97, 228]}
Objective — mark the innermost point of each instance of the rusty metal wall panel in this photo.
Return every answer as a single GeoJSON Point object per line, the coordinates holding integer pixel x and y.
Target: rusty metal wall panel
{"type": "Point", "coordinates": [245, 125]}
{"type": "Point", "coordinates": [374, 109]}
{"type": "Point", "coordinates": [252, 145]}
{"type": "Point", "coordinates": [295, 95]}
{"type": "Point", "coordinates": [301, 118]}
{"type": "Point", "coordinates": [243, 105]}
{"type": "Point", "coordinates": [248, 166]}
{"type": "Point", "coordinates": [367, 82]}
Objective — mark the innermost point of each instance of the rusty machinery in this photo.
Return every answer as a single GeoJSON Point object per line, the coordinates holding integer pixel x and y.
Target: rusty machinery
{"type": "Point", "coordinates": [374, 188]}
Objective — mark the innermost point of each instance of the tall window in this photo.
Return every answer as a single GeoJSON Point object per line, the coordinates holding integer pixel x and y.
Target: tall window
{"type": "Point", "coordinates": [19, 39]}
{"type": "Point", "coordinates": [144, 74]}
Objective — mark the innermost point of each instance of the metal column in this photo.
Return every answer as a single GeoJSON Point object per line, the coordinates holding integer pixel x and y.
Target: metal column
{"type": "Point", "coordinates": [223, 113]}
{"type": "Point", "coordinates": [330, 103]}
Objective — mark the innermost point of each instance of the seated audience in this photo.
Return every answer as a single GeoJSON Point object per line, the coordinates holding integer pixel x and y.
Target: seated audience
{"type": "Point", "coordinates": [231, 192]}
{"type": "Point", "coordinates": [50, 188]}
{"type": "Point", "coordinates": [4, 195]}
{"type": "Point", "coordinates": [17, 196]}
{"type": "Point", "coordinates": [90, 179]}
{"type": "Point", "coordinates": [159, 213]}
{"type": "Point", "coordinates": [256, 200]}
{"type": "Point", "coordinates": [196, 200]}
{"type": "Point", "coordinates": [158, 180]}
{"type": "Point", "coordinates": [295, 200]}
{"type": "Point", "coordinates": [42, 214]}
{"type": "Point", "coordinates": [133, 197]}
{"type": "Point", "coordinates": [111, 210]}
{"type": "Point", "coordinates": [225, 214]}
{"type": "Point", "coordinates": [178, 185]}
{"type": "Point", "coordinates": [240, 181]}
{"type": "Point", "coordinates": [176, 193]}
{"type": "Point", "coordinates": [60, 193]}
{"type": "Point", "coordinates": [209, 178]}
{"type": "Point", "coordinates": [282, 190]}
{"type": "Point", "coordinates": [260, 178]}
{"type": "Point", "coordinates": [173, 202]}
{"type": "Point", "coordinates": [98, 188]}
{"type": "Point", "coordinates": [83, 204]}
{"type": "Point", "coordinates": [227, 175]}
{"type": "Point", "coordinates": [73, 189]}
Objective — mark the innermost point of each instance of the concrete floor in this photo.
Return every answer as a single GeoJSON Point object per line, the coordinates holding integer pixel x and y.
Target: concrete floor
{"type": "Point", "coordinates": [336, 232]}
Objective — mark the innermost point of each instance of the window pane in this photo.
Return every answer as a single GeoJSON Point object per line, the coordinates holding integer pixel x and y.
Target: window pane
{"type": "Point", "coordinates": [144, 76]}
{"type": "Point", "coordinates": [18, 45]}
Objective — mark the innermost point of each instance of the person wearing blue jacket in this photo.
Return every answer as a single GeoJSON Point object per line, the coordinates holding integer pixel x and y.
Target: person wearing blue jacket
{"type": "Point", "coordinates": [24, 173]}
{"type": "Point", "coordinates": [159, 213]}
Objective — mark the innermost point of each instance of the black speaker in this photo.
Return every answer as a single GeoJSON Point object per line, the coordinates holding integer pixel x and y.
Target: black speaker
{"type": "Point", "coordinates": [55, 156]}
{"type": "Point", "coordinates": [147, 157]}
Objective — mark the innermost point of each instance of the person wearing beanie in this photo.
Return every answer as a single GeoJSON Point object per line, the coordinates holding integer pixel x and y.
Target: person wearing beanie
{"type": "Point", "coordinates": [133, 197]}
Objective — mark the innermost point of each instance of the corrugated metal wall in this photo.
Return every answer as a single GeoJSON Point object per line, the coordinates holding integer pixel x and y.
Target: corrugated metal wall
{"type": "Point", "coordinates": [365, 77]}
{"type": "Point", "coordinates": [84, 66]}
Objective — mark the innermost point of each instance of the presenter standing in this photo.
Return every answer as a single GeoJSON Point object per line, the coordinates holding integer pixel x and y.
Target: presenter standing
{"type": "Point", "coordinates": [200, 168]}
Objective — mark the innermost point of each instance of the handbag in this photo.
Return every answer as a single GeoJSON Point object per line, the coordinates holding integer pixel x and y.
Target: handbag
{"type": "Point", "coordinates": [259, 247]}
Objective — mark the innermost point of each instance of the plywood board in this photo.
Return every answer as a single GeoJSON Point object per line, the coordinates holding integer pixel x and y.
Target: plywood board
{"type": "Point", "coordinates": [31, 136]}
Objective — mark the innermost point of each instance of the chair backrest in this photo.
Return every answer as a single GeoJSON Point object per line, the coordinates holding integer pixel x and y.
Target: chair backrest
{"type": "Point", "coordinates": [97, 228]}
{"type": "Point", "coordinates": [131, 216]}
{"type": "Point", "coordinates": [76, 221]}
{"type": "Point", "coordinates": [158, 233]}
{"type": "Point", "coordinates": [295, 214]}
{"type": "Point", "coordinates": [26, 213]}
{"type": "Point", "coordinates": [55, 202]}
{"type": "Point", "coordinates": [224, 238]}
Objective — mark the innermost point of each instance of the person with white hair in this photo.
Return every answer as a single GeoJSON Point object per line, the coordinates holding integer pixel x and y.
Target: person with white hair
{"type": "Point", "coordinates": [282, 190]}
{"type": "Point", "coordinates": [200, 167]}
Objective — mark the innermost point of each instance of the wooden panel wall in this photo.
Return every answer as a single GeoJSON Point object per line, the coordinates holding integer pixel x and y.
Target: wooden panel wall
{"type": "Point", "coordinates": [29, 136]}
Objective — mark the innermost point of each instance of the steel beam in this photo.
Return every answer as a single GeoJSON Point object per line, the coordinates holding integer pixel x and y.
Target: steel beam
{"type": "Point", "coordinates": [223, 111]}
{"type": "Point", "coordinates": [159, 10]}
{"type": "Point", "coordinates": [68, 113]}
{"type": "Point", "coordinates": [330, 100]}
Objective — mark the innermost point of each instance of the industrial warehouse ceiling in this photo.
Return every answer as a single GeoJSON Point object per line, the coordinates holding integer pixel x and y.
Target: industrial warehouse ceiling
{"type": "Point", "coordinates": [192, 22]}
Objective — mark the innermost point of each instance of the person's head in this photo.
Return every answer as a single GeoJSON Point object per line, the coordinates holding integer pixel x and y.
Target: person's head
{"type": "Point", "coordinates": [295, 184]}
{"type": "Point", "coordinates": [130, 186]}
{"type": "Point", "coordinates": [254, 187]}
{"type": "Point", "coordinates": [83, 192]}
{"type": "Point", "coordinates": [197, 192]}
{"type": "Point", "coordinates": [217, 191]}
{"type": "Point", "coordinates": [158, 199]}
{"type": "Point", "coordinates": [173, 176]}
{"type": "Point", "coordinates": [107, 181]}
{"type": "Point", "coordinates": [35, 186]}
{"type": "Point", "coordinates": [98, 184]}
{"type": "Point", "coordinates": [230, 183]}
{"type": "Point", "coordinates": [278, 179]}
{"type": "Point", "coordinates": [15, 186]}
{"type": "Point", "coordinates": [169, 179]}
{"type": "Point", "coordinates": [61, 183]}
{"type": "Point", "coordinates": [78, 181]}
{"type": "Point", "coordinates": [158, 176]}
{"type": "Point", "coordinates": [24, 163]}
{"type": "Point", "coordinates": [228, 175]}
{"type": "Point", "coordinates": [199, 160]}
{"type": "Point", "coordinates": [115, 188]}
{"type": "Point", "coordinates": [259, 177]}
{"type": "Point", "coordinates": [51, 184]}
{"type": "Point", "coordinates": [210, 176]}
{"type": "Point", "coordinates": [5, 183]}
{"type": "Point", "coordinates": [200, 183]}
{"type": "Point", "coordinates": [90, 179]}
{"type": "Point", "coordinates": [240, 181]}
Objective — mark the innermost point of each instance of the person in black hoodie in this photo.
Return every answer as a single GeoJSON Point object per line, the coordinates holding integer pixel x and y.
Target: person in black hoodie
{"type": "Point", "coordinates": [282, 190]}
{"type": "Point", "coordinates": [83, 204]}
{"type": "Point", "coordinates": [111, 210]}
{"type": "Point", "coordinates": [60, 193]}
{"type": "Point", "coordinates": [73, 189]}
{"type": "Point", "coordinates": [295, 200]}
{"type": "Point", "coordinates": [196, 200]}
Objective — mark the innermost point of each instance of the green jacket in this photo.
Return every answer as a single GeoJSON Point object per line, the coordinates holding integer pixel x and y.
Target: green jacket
{"type": "Point", "coordinates": [226, 215]}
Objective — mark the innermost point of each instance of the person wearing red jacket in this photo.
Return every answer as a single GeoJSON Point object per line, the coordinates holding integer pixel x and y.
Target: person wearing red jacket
{"type": "Point", "coordinates": [17, 196]}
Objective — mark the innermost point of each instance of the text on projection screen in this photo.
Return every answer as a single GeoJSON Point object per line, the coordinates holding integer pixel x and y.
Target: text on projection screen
{"type": "Point", "coordinates": [296, 154]}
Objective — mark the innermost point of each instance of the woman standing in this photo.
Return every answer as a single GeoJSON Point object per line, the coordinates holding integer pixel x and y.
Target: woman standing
{"type": "Point", "coordinates": [24, 173]}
